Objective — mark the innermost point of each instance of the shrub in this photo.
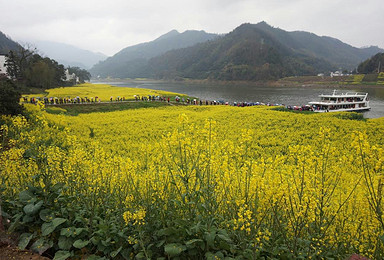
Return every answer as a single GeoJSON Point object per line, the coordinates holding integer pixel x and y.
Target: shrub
{"type": "Point", "coordinates": [9, 98]}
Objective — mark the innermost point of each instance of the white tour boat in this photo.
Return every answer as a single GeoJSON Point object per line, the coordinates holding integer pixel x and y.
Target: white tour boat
{"type": "Point", "coordinates": [350, 101]}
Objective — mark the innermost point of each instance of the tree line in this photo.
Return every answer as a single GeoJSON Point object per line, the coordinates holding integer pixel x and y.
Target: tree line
{"type": "Point", "coordinates": [27, 70]}
{"type": "Point", "coordinates": [375, 64]}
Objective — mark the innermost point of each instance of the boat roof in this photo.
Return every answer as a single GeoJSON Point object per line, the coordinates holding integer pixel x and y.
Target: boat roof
{"type": "Point", "coordinates": [348, 94]}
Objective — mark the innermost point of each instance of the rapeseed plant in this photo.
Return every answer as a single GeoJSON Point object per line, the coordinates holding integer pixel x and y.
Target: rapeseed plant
{"type": "Point", "coordinates": [196, 181]}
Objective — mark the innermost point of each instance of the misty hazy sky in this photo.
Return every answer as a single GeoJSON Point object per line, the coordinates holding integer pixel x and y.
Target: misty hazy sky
{"type": "Point", "coordinates": [107, 26]}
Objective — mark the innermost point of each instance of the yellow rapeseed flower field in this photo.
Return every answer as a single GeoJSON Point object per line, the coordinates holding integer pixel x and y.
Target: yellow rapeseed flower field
{"type": "Point", "coordinates": [103, 92]}
{"type": "Point", "coordinates": [304, 185]}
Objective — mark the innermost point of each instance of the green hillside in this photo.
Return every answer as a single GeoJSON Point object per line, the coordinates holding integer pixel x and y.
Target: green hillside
{"type": "Point", "coordinates": [247, 53]}
{"type": "Point", "coordinates": [131, 61]}
{"type": "Point", "coordinates": [250, 52]}
{"type": "Point", "coordinates": [339, 54]}
{"type": "Point", "coordinates": [375, 64]}
{"type": "Point", "coordinates": [6, 44]}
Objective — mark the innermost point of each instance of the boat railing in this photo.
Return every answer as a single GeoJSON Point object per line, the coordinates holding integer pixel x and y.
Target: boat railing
{"type": "Point", "coordinates": [341, 101]}
{"type": "Point", "coordinates": [349, 94]}
{"type": "Point", "coordinates": [356, 93]}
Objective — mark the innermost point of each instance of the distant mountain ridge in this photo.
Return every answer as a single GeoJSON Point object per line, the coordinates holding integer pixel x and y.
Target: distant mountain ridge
{"type": "Point", "coordinates": [6, 44]}
{"type": "Point", "coordinates": [258, 52]}
{"type": "Point", "coordinates": [69, 55]}
{"type": "Point", "coordinates": [130, 61]}
{"type": "Point", "coordinates": [331, 49]}
{"type": "Point", "coordinates": [249, 52]}
{"type": "Point", "coordinates": [246, 53]}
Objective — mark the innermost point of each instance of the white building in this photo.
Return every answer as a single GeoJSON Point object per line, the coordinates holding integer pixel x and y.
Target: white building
{"type": "Point", "coordinates": [71, 77]}
{"type": "Point", "coordinates": [3, 69]}
{"type": "Point", "coordinates": [336, 74]}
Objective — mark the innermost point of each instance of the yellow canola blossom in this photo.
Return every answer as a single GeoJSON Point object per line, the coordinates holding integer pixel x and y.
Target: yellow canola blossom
{"type": "Point", "coordinates": [318, 177]}
{"type": "Point", "coordinates": [103, 92]}
{"type": "Point", "coordinates": [136, 218]}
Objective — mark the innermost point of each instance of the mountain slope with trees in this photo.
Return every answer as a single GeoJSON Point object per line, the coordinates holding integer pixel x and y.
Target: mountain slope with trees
{"type": "Point", "coordinates": [258, 52]}
{"type": "Point", "coordinates": [339, 54]}
{"type": "Point", "coordinates": [6, 44]}
{"type": "Point", "coordinates": [250, 52]}
{"type": "Point", "coordinates": [130, 62]}
{"type": "Point", "coordinates": [247, 53]}
{"type": "Point", "coordinates": [374, 64]}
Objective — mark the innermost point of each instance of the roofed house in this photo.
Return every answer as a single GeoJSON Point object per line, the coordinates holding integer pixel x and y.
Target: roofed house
{"type": "Point", "coordinates": [3, 68]}
{"type": "Point", "coordinates": [71, 77]}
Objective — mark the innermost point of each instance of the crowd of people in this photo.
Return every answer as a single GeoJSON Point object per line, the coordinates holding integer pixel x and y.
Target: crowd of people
{"type": "Point", "coordinates": [61, 100]}
{"type": "Point", "coordinates": [137, 98]}
{"type": "Point", "coordinates": [300, 108]}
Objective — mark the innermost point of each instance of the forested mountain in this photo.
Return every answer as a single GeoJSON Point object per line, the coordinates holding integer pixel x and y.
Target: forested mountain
{"type": "Point", "coordinates": [7, 44]}
{"type": "Point", "coordinates": [247, 53]}
{"type": "Point", "coordinates": [336, 52]}
{"type": "Point", "coordinates": [69, 55]}
{"type": "Point", "coordinates": [129, 62]}
{"type": "Point", "coordinates": [374, 64]}
{"type": "Point", "coordinates": [250, 52]}
{"type": "Point", "coordinates": [258, 52]}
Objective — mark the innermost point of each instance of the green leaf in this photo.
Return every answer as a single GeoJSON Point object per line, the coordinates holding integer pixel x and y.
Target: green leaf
{"type": "Point", "coordinates": [65, 243]}
{"type": "Point", "coordinates": [48, 228]}
{"type": "Point", "coordinates": [219, 255]}
{"type": "Point", "coordinates": [25, 238]}
{"type": "Point", "coordinates": [224, 245]}
{"type": "Point", "coordinates": [116, 252]}
{"type": "Point", "coordinates": [95, 257]}
{"type": "Point", "coordinates": [62, 255]}
{"type": "Point", "coordinates": [210, 238]}
{"type": "Point", "coordinates": [46, 215]}
{"type": "Point", "coordinates": [78, 231]}
{"type": "Point", "coordinates": [71, 231]}
{"type": "Point", "coordinates": [58, 221]}
{"type": "Point", "coordinates": [382, 238]}
{"type": "Point", "coordinates": [140, 256]}
{"type": "Point", "coordinates": [106, 242]}
{"type": "Point", "coordinates": [193, 241]}
{"type": "Point", "coordinates": [67, 231]}
{"type": "Point", "coordinates": [15, 223]}
{"type": "Point", "coordinates": [174, 249]}
{"type": "Point", "coordinates": [95, 240]}
{"type": "Point", "coordinates": [26, 196]}
{"type": "Point", "coordinates": [32, 209]}
{"type": "Point", "coordinates": [41, 245]}
{"type": "Point", "coordinates": [126, 253]}
{"type": "Point", "coordinates": [225, 238]}
{"type": "Point", "coordinates": [209, 256]}
{"type": "Point", "coordinates": [28, 219]}
{"type": "Point", "coordinates": [166, 231]}
{"type": "Point", "coordinates": [58, 187]}
{"type": "Point", "coordinates": [80, 243]}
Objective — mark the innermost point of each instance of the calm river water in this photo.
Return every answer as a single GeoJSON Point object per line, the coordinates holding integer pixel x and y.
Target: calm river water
{"type": "Point", "coordinates": [278, 95]}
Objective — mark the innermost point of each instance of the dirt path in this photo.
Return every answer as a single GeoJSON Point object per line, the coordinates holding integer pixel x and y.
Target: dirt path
{"type": "Point", "coordinates": [9, 250]}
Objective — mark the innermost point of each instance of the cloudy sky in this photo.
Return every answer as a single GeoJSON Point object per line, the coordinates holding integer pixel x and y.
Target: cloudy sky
{"type": "Point", "coordinates": [108, 26]}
